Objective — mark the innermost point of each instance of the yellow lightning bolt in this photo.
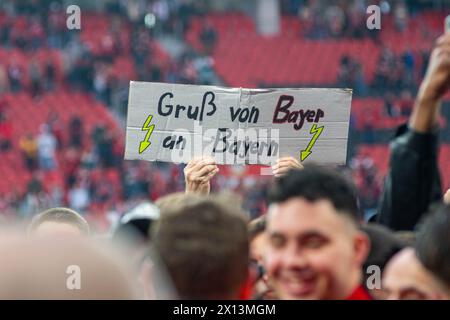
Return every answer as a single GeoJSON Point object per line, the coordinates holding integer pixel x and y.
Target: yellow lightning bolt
{"type": "Point", "coordinates": [149, 128]}
{"type": "Point", "coordinates": [317, 132]}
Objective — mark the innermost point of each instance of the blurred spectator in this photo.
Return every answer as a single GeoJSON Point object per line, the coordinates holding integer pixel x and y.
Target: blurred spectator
{"type": "Point", "coordinates": [433, 245]}
{"type": "Point", "coordinates": [350, 75]}
{"type": "Point", "coordinates": [46, 148]}
{"type": "Point", "coordinates": [36, 32]}
{"type": "Point", "coordinates": [5, 31]}
{"type": "Point", "coordinates": [409, 66]}
{"type": "Point", "coordinates": [357, 19]}
{"type": "Point", "coordinates": [406, 103]}
{"type": "Point", "coordinates": [28, 146]}
{"type": "Point", "coordinates": [102, 190]}
{"type": "Point", "coordinates": [365, 176]}
{"type": "Point", "coordinates": [72, 160]}
{"type": "Point", "coordinates": [104, 146]}
{"type": "Point", "coordinates": [4, 81]}
{"type": "Point", "coordinates": [57, 222]}
{"type": "Point", "coordinates": [49, 75]}
{"type": "Point", "coordinates": [401, 16]}
{"type": "Point", "coordinates": [56, 25]}
{"type": "Point", "coordinates": [35, 199]}
{"type": "Point", "coordinates": [4, 105]}
{"type": "Point", "coordinates": [15, 75]}
{"type": "Point", "coordinates": [161, 10]}
{"type": "Point", "coordinates": [56, 127]}
{"type": "Point", "coordinates": [78, 197]}
{"type": "Point", "coordinates": [208, 37]}
{"type": "Point", "coordinates": [6, 133]}
{"type": "Point", "coordinates": [405, 278]}
{"type": "Point", "coordinates": [191, 232]}
{"type": "Point", "coordinates": [19, 36]}
{"type": "Point", "coordinates": [156, 73]}
{"type": "Point", "coordinates": [336, 20]}
{"type": "Point", "coordinates": [35, 74]}
{"type": "Point", "coordinates": [76, 132]}
{"type": "Point", "coordinates": [100, 82]}
{"type": "Point", "coordinates": [133, 188]}
{"type": "Point", "coordinates": [390, 108]}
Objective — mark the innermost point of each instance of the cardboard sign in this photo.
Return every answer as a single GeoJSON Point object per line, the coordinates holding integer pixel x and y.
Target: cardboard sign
{"type": "Point", "coordinates": [175, 123]}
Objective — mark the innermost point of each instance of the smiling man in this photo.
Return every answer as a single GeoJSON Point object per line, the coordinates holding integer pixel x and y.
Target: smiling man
{"type": "Point", "coordinates": [315, 249]}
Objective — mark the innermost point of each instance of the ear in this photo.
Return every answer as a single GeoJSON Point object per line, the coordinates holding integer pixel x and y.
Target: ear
{"type": "Point", "coordinates": [362, 247]}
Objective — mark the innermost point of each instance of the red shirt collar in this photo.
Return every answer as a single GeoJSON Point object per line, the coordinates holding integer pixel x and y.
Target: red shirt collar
{"type": "Point", "coordinates": [359, 293]}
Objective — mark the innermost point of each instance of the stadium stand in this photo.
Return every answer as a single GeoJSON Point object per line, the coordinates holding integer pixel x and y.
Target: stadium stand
{"type": "Point", "coordinates": [92, 85]}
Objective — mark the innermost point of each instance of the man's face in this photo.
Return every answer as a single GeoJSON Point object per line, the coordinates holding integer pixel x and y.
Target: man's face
{"type": "Point", "coordinates": [406, 279]}
{"type": "Point", "coordinates": [313, 251]}
{"type": "Point", "coordinates": [53, 228]}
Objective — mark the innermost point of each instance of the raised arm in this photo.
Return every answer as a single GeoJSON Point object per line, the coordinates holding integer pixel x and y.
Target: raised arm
{"type": "Point", "coordinates": [413, 180]}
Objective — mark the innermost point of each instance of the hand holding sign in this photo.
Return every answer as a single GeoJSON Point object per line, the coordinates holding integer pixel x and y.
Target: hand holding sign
{"type": "Point", "coordinates": [285, 164]}
{"type": "Point", "coordinates": [198, 174]}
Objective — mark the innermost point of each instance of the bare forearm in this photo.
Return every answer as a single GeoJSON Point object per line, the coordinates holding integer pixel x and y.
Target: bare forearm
{"type": "Point", "coordinates": [425, 115]}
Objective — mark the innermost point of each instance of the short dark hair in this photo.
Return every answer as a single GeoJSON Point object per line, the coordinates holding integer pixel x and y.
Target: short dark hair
{"type": "Point", "coordinates": [256, 227]}
{"type": "Point", "coordinates": [433, 242]}
{"type": "Point", "coordinates": [204, 245]}
{"type": "Point", "coordinates": [384, 244]}
{"type": "Point", "coordinates": [62, 215]}
{"type": "Point", "coordinates": [317, 183]}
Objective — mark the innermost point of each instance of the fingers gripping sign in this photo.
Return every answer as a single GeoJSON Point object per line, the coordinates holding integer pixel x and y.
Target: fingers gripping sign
{"type": "Point", "coordinates": [198, 174]}
{"type": "Point", "coordinates": [285, 164]}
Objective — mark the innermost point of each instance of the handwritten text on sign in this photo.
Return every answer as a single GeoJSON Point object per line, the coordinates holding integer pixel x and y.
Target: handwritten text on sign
{"type": "Point", "coordinates": [173, 122]}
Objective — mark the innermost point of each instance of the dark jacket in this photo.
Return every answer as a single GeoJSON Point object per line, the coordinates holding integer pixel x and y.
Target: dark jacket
{"type": "Point", "coordinates": [413, 180]}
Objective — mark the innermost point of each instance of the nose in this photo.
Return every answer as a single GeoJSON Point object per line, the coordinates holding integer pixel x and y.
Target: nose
{"type": "Point", "coordinates": [294, 258]}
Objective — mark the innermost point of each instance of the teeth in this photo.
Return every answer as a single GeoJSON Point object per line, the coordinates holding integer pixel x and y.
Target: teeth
{"type": "Point", "coordinates": [299, 279]}
{"type": "Point", "coordinates": [297, 285]}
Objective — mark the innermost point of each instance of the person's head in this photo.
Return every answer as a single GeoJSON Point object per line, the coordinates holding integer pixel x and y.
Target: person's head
{"type": "Point", "coordinates": [258, 246]}
{"type": "Point", "coordinates": [203, 243]}
{"type": "Point", "coordinates": [433, 243]}
{"type": "Point", "coordinates": [315, 249]}
{"type": "Point", "coordinates": [384, 244]}
{"type": "Point", "coordinates": [405, 278]}
{"type": "Point", "coordinates": [257, 237]}
{"type": "Point", "coordinates": [76, 268]}
{"type": "Point", "coordinates": [58, 221]}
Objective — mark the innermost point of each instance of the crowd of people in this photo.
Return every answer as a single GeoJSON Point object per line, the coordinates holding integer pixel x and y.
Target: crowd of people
{"type": "Point", "coordinates": [92, 71]}
{"type": "Point", "coordinates": [325, 19]}
{"type": "Point", "coordinates": [305, 235]}
{"type": "Point", "coordinates": [311, 243]}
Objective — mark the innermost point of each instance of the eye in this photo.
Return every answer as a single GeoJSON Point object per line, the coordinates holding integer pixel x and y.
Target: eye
{"type": "Point", "coordinates": [412, 294]}
{"type": "Point", "coordinates": [314, 242]}
{"type": "Point", "coordinates": [277, 241]}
